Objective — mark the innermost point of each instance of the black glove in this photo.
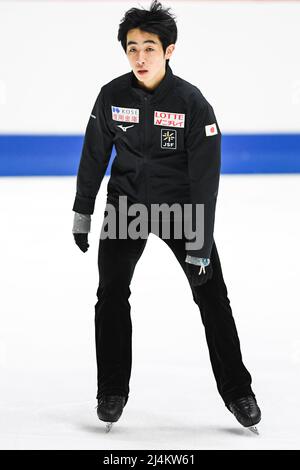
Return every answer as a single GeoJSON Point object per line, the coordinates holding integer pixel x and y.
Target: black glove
{"type": "Point", "coordinates": [81, 240]}
{"type": "Point", "coordinates": [195, 278]}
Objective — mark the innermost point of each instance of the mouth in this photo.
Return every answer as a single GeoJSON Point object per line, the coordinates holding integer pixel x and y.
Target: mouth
{"type": "Point", "coordinates": [142, 72]}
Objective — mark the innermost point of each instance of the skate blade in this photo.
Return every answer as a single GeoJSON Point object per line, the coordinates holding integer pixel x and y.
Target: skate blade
{"type": "Point", "coordinates": [253, 429]}
{"type": "Point", "coordinates": [108, 427]}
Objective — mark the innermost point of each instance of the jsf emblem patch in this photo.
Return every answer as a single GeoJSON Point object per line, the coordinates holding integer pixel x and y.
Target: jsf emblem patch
{"type": "Point", "coordinates": [125, 114]}
{"type": "Point", "coordinates": [163, 118]}
{"type": "Point", "coordinates": [168, 139]}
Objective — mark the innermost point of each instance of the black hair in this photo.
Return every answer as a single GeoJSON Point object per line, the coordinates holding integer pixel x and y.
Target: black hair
{"type": "Point", "coordinates": [157, 20]}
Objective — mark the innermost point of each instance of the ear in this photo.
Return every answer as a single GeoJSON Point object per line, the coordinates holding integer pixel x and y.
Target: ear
{"type": "Point", "coordinates": [169, 51]}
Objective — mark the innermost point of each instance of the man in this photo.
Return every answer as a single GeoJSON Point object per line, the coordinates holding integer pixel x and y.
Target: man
{"type": "Point", "coordinates": [168, 146]}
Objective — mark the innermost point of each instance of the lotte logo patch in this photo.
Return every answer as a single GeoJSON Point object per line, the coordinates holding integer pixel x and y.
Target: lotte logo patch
{"type": "Point", "coordinates": [164, 118]}
{"type": "Point", "coordinates": [168, 139]}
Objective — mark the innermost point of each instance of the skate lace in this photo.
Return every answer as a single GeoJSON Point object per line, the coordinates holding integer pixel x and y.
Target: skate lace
{"type": "Point", "coordinates": [247, 403]}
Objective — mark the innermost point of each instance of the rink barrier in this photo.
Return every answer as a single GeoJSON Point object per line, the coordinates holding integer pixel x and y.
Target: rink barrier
{"type": "Point", "coordinates": [53, 155]}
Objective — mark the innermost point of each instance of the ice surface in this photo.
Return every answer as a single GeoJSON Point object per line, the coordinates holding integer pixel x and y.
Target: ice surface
{"type": "Point", "coordinates": [48, 293]}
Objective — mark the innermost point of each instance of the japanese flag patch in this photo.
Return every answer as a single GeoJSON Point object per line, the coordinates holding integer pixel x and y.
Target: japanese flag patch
{"type": "Point", "coordinates": [211, 129]}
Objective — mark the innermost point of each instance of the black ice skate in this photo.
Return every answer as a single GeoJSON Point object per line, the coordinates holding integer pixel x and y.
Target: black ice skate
{"type": "Point", "coordinates": [110, 408]}
{"type": "Point", "coordinates": [246, 411]}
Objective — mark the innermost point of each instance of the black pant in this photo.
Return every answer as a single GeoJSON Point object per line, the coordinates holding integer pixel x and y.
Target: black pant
{"type": "Point", "coordinates": [117, 259]}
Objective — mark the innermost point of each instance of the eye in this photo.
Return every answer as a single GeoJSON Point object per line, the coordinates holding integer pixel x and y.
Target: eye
{"type": "Point", "coordinates": [148, 48]}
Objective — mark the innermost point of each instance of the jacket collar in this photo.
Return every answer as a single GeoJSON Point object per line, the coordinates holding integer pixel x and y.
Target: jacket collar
{"type": "Point", "coordinates": [158, 92]}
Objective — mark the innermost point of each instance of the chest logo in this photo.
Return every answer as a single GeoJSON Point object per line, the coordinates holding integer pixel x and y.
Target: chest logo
{"type": "Point", "coordinates": [164, 118]}
{"type": "Point", "coordinates": [124, 128]}
{"type": "Point", "coordinates": [125, 114]}
{"type": "Point", "coordinates": [168, 139]}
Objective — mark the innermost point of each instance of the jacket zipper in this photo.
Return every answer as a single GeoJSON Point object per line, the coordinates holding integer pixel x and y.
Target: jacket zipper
{"type": "Point", "coordinates": [145, 157]}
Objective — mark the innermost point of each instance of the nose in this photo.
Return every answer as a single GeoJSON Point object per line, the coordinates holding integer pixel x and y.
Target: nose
{"type": "Point", "coordinates": [140, 60]}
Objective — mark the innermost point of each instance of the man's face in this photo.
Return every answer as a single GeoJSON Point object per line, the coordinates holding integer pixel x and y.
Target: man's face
{"type": "Point", "coordinates": [145, 52]}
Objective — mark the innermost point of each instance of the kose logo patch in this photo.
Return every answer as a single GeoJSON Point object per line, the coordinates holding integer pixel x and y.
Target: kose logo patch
{"type": "Point", "coordinates": [125, 114]}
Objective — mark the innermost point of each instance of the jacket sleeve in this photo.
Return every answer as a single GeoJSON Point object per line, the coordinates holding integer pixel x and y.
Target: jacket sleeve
{"type": "Point", "coordinates": [95, 155]}
{"type": "Point", "coordinates": [203, 145]}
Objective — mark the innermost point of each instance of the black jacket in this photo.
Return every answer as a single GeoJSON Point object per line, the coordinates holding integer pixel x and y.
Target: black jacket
{"type": "Point", "coordinates": [169, 153]}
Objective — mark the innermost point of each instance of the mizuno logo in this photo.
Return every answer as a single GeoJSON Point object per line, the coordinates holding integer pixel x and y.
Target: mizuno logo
{"type": "Point", "coordinates": [124, 128]}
